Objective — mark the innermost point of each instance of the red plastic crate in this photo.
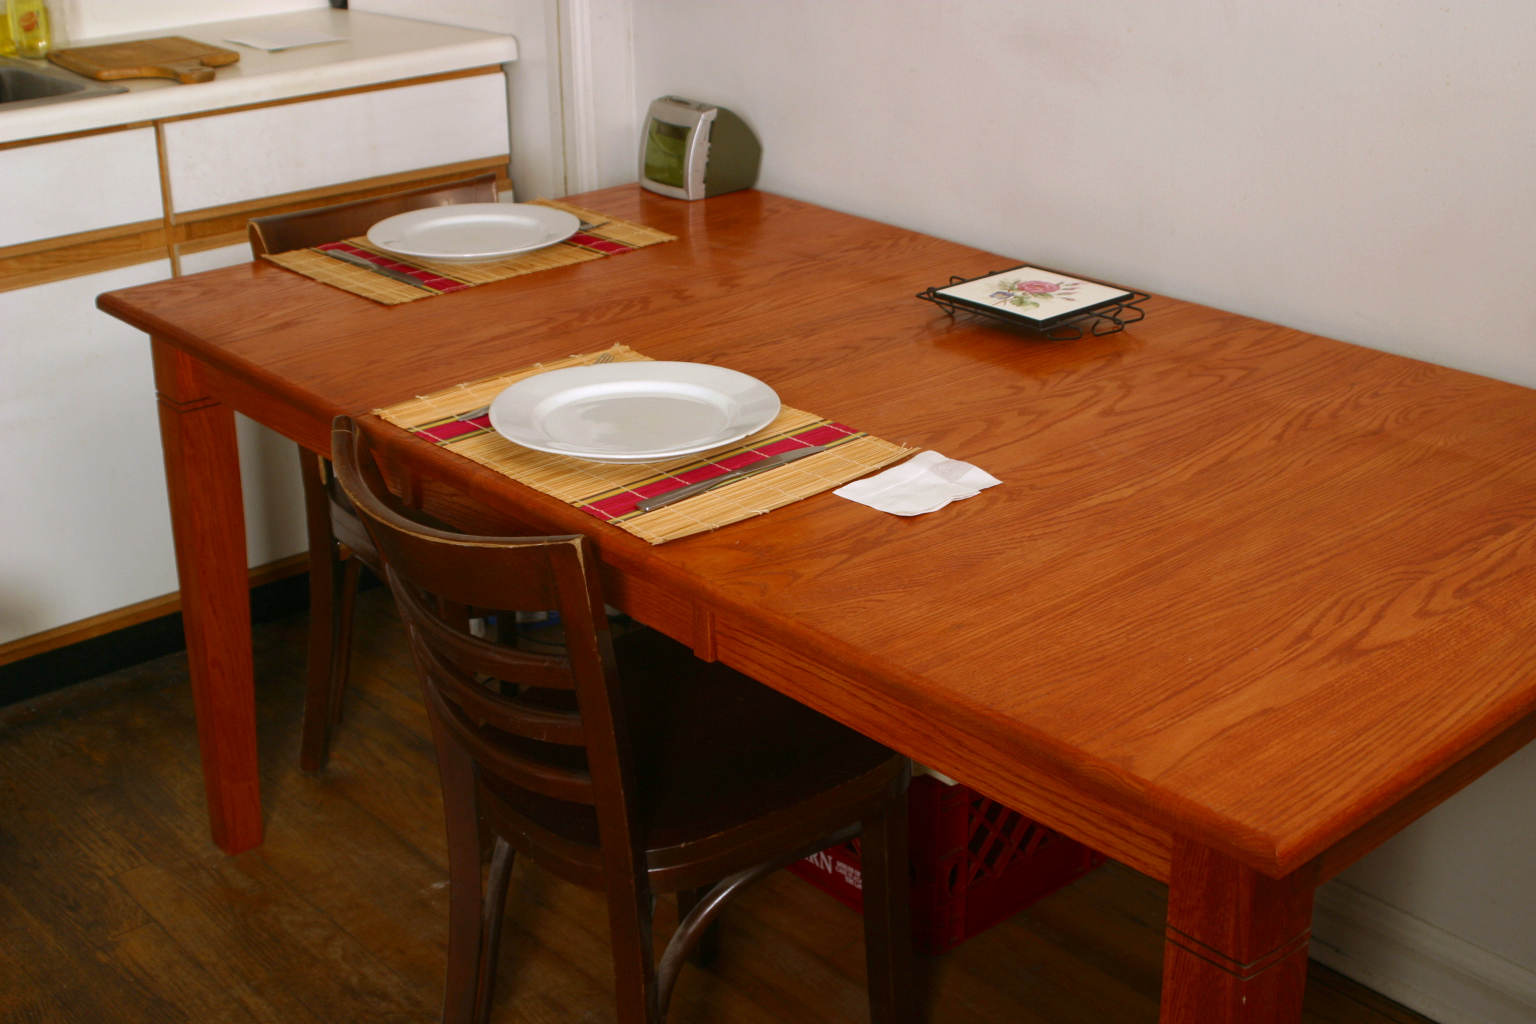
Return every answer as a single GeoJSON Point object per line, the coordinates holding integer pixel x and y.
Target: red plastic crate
{"type": "Point", "coordinates": [974, 863]}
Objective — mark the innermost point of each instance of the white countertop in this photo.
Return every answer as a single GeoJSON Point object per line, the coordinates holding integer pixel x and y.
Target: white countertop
{"type": "Point", "coordinates": [377, 49]}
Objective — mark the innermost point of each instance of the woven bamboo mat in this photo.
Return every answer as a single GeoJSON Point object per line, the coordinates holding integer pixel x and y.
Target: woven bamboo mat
{"type": "Point", "coordinates": [609, 491]}
{"type": "Point", "coordinates": [601, 236]}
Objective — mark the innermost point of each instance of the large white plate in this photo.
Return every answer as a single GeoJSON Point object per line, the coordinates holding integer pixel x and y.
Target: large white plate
{"type": "Point", "coordinates": [473, 232]}
{"type": "Point", "coordinates": [633, 412]}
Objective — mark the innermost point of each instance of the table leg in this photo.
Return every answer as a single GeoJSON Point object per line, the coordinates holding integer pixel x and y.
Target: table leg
{"type": "Point", "coordinates": [202, 470]}
{"type": "Point", "coordinates": [1236, 949]}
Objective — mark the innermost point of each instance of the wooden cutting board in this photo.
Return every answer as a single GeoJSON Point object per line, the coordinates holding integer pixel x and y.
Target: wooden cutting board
{"type": "Point", "coordinates": [176, 57]}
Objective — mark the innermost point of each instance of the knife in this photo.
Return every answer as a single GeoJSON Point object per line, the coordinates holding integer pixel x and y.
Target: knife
{"type": "Point", "coordinates": [358, 261]}
{"type": "Point", "coordinates": [651, 504]}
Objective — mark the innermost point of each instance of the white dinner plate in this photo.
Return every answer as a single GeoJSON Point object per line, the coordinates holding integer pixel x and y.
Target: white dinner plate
{"type": "Point", "coordinates": [633, 412]}
{"type": "Point", "coordinates": [473, 232]}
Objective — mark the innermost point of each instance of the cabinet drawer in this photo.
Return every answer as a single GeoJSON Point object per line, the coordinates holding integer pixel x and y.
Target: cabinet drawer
{"type": "Point", "coordinates": [76, 185]}
{"type": "Point", "coordinates": [269, 151]}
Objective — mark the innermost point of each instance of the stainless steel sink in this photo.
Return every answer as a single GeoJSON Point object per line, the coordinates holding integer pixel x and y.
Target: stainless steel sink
{"type": "Point", "coordinates": [30, 84]}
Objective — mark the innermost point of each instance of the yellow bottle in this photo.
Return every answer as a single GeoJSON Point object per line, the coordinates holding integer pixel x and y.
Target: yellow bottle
{"type": "Point", "coordinates": [7, 48]}
{"type": "Point", "coordinates": [29, 27]}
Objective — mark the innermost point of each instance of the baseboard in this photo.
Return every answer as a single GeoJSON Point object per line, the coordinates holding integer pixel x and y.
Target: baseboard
{"type": "Point", "coordinates": [1420, 965]}
{"type": "Point", "coordinates": [73, 653]}
{"type": "Point", "coordinates": [134, 614]}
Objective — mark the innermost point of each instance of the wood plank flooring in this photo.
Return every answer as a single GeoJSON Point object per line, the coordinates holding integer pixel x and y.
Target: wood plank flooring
{"type": "Point", "coordinates": [116, 909]}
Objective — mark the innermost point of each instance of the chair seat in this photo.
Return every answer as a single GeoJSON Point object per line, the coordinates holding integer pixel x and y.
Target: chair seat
{"type": "Point", "coordinates": [713, 772]}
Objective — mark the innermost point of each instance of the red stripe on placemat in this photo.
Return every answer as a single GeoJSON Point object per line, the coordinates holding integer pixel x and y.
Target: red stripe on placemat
{"type": "Point", "coordinates": [618, 506]}
{"type": "Point", "coordinates": [454, 430]}
{"type": "Point", "coordinates": [597, 244]}
{"type": "Point", "coordinates": [426, 277]}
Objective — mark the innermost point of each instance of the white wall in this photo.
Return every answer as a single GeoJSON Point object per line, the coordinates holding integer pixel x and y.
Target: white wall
{"type": "Point", "coordinates": [483, 15]}
{"type": "Point", "coordinates": [1443, 917]}
{"type": "Point", "coordinates": [92, 19]}
{"type": "Point", "coordinates": [571, 88]}
{"type": "Point", "coordinates": [597, 90]}
{"type": "Point", "coordinates": [537, 166]}
{"type": "Point", "coordinates": [1363, 170]}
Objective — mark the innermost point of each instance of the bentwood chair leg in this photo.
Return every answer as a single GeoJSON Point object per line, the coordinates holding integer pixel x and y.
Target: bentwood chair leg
{"type": "Point", "coordinates": [322, 601]}
{"type": "Point", "coordinates": [344, 603]}
{"type": "Point", "coordinates": [492, 909]}
{"type": "Point", "coordinates": [634, 965]}
{"type": "Point", "coordinates": [708, 948]}
{"type": "Point", "coordinates": [887, 929]}
{"type": "Point", "coordinates": [466, 894]}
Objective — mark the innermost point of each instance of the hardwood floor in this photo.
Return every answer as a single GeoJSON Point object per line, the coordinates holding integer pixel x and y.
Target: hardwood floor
{"type": "Point", "coordinates": [115, 906]}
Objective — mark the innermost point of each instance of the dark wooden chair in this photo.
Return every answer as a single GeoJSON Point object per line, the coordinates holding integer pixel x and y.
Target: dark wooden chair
{"type": "Point", "coordinates": [627, 766]}
{"type": "Point", "coordinates": [303, 228]}
{"type": "Point", "coordinates": [338, 544]}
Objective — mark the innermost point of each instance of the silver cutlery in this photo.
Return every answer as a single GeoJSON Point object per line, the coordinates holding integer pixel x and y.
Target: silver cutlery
{"type": "Point", "coordinates": [358, 261]}
{"type": "Point", "coordinates": [771, 462]}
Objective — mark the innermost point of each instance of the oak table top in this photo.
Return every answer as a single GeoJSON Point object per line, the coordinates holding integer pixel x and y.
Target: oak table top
{"type": "Point", "coordinates": [1245, 593]}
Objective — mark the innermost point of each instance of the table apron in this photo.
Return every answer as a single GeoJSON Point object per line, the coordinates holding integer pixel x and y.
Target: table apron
{"type": "Point", "coordinates": [973, 760]}
{"type": "Point", "coordinates": [313, 431]}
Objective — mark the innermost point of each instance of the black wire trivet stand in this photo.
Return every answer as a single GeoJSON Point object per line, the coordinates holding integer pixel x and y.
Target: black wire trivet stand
{"type": "Point", "coordinates": [1103, 320]}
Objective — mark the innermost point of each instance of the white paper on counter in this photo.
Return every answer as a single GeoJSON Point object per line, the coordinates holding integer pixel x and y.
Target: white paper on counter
{"type": "Point", "coordinates": [273, 40]}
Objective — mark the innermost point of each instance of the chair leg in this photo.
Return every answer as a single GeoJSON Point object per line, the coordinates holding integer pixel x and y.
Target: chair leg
{"type": "Point", "coordinates": [322, 609]}
{"type": "Point", "coordinates": [466, 989]}
{"type": "Point", "coordinates": [708, 948]}
{"type": "Point", "coordinates": [492, 909]}
{"type": "Point", "coordinates": [343, 603]}
{"type": "Point", "coordinates": [887, 916]}
{"type": "Point", "coordinates": [705, 912]}
{"type": "Point", "coordinates": [634, 968]}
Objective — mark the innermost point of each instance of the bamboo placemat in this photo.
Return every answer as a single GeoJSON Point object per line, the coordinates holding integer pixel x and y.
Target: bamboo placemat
{"type": "Point", "coordinates": [601, 236]}
{"type": "Point", "coordinates": [609, 491]}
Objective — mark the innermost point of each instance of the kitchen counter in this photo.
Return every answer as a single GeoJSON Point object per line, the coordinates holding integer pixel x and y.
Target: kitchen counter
{"type": "Point", "coordinates": [377, 49]}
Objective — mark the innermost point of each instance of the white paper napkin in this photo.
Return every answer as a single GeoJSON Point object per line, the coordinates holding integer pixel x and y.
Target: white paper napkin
{"type": "Point", "coordinates": [924, 483]}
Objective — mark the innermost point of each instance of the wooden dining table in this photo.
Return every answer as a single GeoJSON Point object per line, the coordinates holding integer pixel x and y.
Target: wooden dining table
{"type": "Point", "coordinates": [1247, 602]}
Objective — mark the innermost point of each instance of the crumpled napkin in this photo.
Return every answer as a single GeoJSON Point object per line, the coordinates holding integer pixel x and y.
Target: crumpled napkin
{"type": "Point", "coordinates": [924, 483]}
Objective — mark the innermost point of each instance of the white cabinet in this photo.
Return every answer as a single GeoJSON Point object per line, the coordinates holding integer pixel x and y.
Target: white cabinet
{"type": "Point", "coordinates": [86, 520]}
{"type": "Point", "coordinates": [77, 185]}
{"type": "Point", "coordinates": [84, 506]}
{"type": "Point", "coordinates": [268, 151]}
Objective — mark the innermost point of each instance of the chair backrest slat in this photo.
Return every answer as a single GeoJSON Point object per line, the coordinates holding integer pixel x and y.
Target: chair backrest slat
{"type": "Point", "coordinates": [557, 781]}
{"type": "Point", "coordinates": [538, 743]}
{"type": "Point", "coordinates": [517, 575]}
{"type": "Point", "coordinates": [281, 232]}
{"type": "Point", "coordinates": [485, 707]}
{"type": "Point", "coordinates": [474, 655]}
